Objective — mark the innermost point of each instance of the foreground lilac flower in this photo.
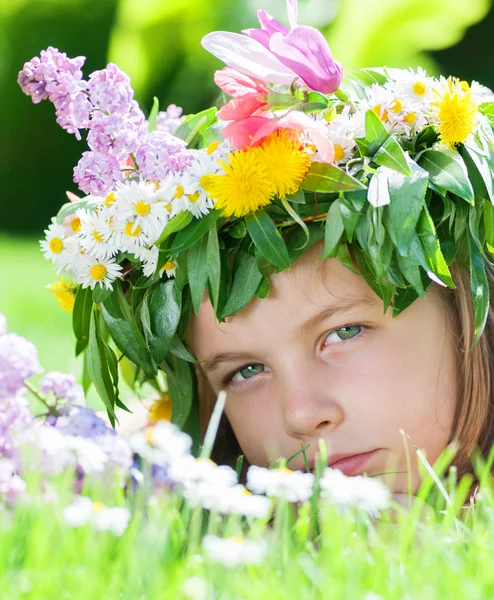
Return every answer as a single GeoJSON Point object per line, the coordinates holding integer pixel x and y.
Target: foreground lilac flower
{"type": "Point", "coordinates": [83, 422]}
{"type": "Point", "coordinates": [62, 386]}
{"type": "Point", "coordinates": [169, 119]}
{"type": "Point", "coordinates": [18, 361]}
{"type": "Point", "coordinates": [11, 484]}
{"type": "Point", "coordinates": [97, 173]}
{"type": "Point", "coordinates": [161, 154]}
{"type": "Point", "coordinates": [15, 418]}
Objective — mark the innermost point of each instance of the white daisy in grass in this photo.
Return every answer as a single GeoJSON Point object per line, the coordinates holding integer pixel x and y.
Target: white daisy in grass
{"type": "Point", "coordinates": [362, 493]}
{"type": "Point", "coordinates": [294, 486]}
{"type": "Point", "coordinates": [82, 511]}
{"type": "Point", "coordinates": [97, 235]}
{"type": "Point", "coordinates": [91, 272]}
{"type": "Point", "coordinates": [132, 237]}
{"type": "Point", "coordinates": [190, 192]}
{"type": "Point", "coordinates": [234, 551]}
{"type": "Point", "coordinates": [141, 203]}
{"type": "Point", "coordinates": [149, 262]}
{"type": "Point", "coordinates": [188, 470]}
{"type": "Point", "coordinates": [161, 444]}
{"type": "Point", "coordinates": [344, 145]}
{"type": "Point", "coordinates": [415, 86]}
{"type": "Point", "coordinates": [227, 500]}
{"type": "Point", "coordinates": [55, 243]}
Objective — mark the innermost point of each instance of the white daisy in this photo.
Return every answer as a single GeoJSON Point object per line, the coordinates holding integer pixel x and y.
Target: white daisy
{"type": "Point", "coordinates": [132, 237]}
{"type": "Point", "coordinates": [227, 500]}
{"type": "Point", "coordinates": [190, 193]}
{"type": "Point", "coordinates": [92, 272]}
{"type": "Point", "coordinates": [380, 100]}
{"type": "Point", "coordinates": [188, 470]}
{"type": "Point", "coordinates": [232, 552]}
{"type": "Point", "coordinates": [344, 145]}
{"type": "Point", "coordinates": [141, 203]}
{"type": "Point", "coordinates": [161, 444]}
{"type": "Point", "coordinates": [416, 86]}
{"type": "Point", "coordinates": [294, 486]}
{"type": "Point", "coordinates": [481, 93]}
{"type": "Point", "coordinates": [97, 235]}
{"type": "Point", "coordinates": [53, 245]}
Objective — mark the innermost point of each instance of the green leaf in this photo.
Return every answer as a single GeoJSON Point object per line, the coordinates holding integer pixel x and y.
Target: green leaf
{"type": "Point", "coordinates": [333, 232]}
{"type": "Point", "coordinates": [98, 369]}
{"type": "Point", "coordinates": [194, 125]}
{"type": "Point", "coordinates": [479, 172]}
{"type": "Point", "coordinates": [238, 230]}
{"type": "Point", "coordinates": [69, 209]}
{"type": "Point", "coordinates": [180, 379]}
{"type": "Point", "coordinates": [489, 225]}
{"type": "Point", "coordinates": [403, 298]}
{"type": "Point", "coordinates": [297, 198]}
{"type": "Point", "coordinates": [264, 287]}
{"type": "Point", "coordinates": [432, 249]}
{"type": "Point", "coordinates": [177, 348]}
{"type": "Point", "coordinates": [81, 316]}
{"type": "Point", "coordinates": [267, 239]}
{"type": "Point", "coordinates": [193, 232]}
{"type": "Point", "coordinates": [323, 177]}
{"type": "Point", "coordinates": [122, 334]}
{"type": "Point", "coordinates": [213, 262]}
{"type": "Point", "coordinates": [411, 272]}
{"type": "Point", "coordinates": [291, 211]}
{"type": "Point", "coordinates": [176, 224]}
{"type": "Point", "coordinates": [480, 288]}
{"type": "Point", "coordinates": [153, 115]}
{"type": "Point", "coordinates": [391, 155]}
{"type": "Point", "coordinates": [246, 280]}
{"type": "Point", "coordinates": [197, 268]}
{"type": "Point", "coordinates": [375, 132]}
{"type": "Point", "coordinates": [406, 196]}
{"type": "Point", "coordinates": [100, 294]}
{"type": "Point", "coordinates": [349, 216]}
{"type": "Point", "coordinates": [165, 309]}
{"type": "Point", "coordinates": [296, 237]}
{"type": "Point", "coordinates": [317, 97]}
{"type": "Point", "coordinates": [447, 170]}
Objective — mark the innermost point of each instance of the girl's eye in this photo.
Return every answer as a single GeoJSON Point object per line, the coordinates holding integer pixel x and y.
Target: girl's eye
{"type": "Point", "coordinates": [248, 371]}
{"type": "Point", "coordinates": [343, 334]}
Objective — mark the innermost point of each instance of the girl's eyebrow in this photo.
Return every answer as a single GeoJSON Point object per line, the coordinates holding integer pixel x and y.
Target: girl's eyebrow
{"type": "Point", "coordinates": [216, 360]}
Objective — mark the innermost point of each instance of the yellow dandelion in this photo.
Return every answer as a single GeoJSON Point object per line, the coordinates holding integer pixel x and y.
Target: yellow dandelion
{"type": "Point", "coordinates": [456, 111]}
{"type": "Point", "coordinates": [286, 161]}
{"type": "Point", "coordinates": [160, 410]}
{"type": "Point", "coordinates": [244, 188]}
{"type": "Point", "coordinates": [64, 292]}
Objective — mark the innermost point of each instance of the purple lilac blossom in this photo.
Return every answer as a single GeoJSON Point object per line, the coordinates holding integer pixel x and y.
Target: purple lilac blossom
{"type": "Point", "coordinates": [167, 121]}
{"type": "Point", "coordinates": [3, 324]}
{"type": "Point", "coordinates": [14, 417]}
{"type": "Point", "coordinates": [97, 173]}
{"type": "Point", "coordinates": [11, 485]}
{"type": "Point", "coordinates": [62, 385]}
{"type": "Point", "coordinates": [83, 422]}
{"type": "Point", "coordinates": [161, 154]}
{"type": "Point", "coordinates": [18, 361]}
{"type": "Point", "coordinates": [110, 90]}
{"type": "Point", "coordinates": [58, 78]}
{"type": "Point", "coordinates": [117, 133]}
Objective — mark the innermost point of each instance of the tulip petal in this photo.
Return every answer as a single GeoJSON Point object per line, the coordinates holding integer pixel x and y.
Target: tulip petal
{"type": "Point", "coordinates": [240, 108]}
{"type": "Point", "coordinates": [292, 12]}
{"type": "Point", "coordinates": [247, 56]}
{"type": "Point", "coordinates": [238, 85]}
{"type": "Point", "coordinates": [306, 51]}
{"type": "Point", "coordinates": [270, 24]}
{"type": "Point", "coordinates": [241, 133]}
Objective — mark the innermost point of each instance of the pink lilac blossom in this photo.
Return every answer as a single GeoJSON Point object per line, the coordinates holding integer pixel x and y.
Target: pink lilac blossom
{"type": "Point", "coordinates": [18, 361]}
{"type": "Point", "coordinates": [14, 418]}
{"type": "Point", "coordinates": [161, 154]}
{"type": "Point", "coordinates": [168, 120]}
{"type": "Point", "coordinates": [117, 134]}
{"type": "Point", "coordinates": [110, 90]}
{"type": "Point", "coordinates": [56, 77]}
{"type": "Point", "coordinates": [62, 386]}
{"type": "Point", "coordinates": [97, 173]}
{"type": "Point", "coordinates": [82, 421]}
{"type": "Point", "coordinates": [11, 485]}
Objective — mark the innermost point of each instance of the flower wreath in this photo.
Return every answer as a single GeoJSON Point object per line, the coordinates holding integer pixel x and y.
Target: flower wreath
{"type": "Point", "coordinates": [395, 163]}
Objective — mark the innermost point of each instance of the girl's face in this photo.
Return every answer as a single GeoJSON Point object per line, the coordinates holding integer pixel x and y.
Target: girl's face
{"type": "Point", "coordinates": [318, 359]}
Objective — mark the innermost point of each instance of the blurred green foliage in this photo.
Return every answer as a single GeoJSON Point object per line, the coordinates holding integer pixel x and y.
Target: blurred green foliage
{"type": "Point", "coordinates": [158, 43]}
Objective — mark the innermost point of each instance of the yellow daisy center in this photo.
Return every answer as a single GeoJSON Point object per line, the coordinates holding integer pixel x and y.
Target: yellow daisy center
{"type": "Point", "coordinates": [98, 272]}
{"type": "Point", "coordinates": [64, 292]}
{"type": "Point", "coordinates": [161, 410]}
{"type": "Point", "coordinates": [419, 88]}
{"type": "Point", "coordinates": [204, 181]}
{"type": "Point", "coordinates": [339, 153]}
{"type": "Point", "coordinates": [75, 225]}
{"type": "Point", "coordinates": [244, 188]}
{"type": "Point", "coordinates": [212, 147]}
{"type": "Point", "coordinates": [397, 105]}
{"type": "Point", "coordinates": [110, 199]}
{"type": "Point", "coordinates": [193, 197]}
{"type": "Point", "coordinates": [382, 114]}
{"type": "Point", "coordinates": [142, 208]}
{"type": "Point", "coordinates": [410, 118]}
{"type": "Point", "coordinates": [179, 192]}
{"type": "Point", "coordinates": [132, 230]}
{"type": "Point", "coordinates": [97, 505]}
{"type": "Point", "coordinates": [457, 113]}
{"type": "Point", "coordinates": [97, 236]}
{"type": "Point", "coordinates": [167, 205]}
{"type": "Point", "coordinates": [246, 492]}
{"type": "Point", "coordinates": [286, 162]}
{"type": "Point", "coordinates": [168, 265]}
{"type": "Point", "coordinates": [56, 245]}
{"type": "Point", "coordinates": [148, 432]}
{"type": "Point", "coordinates": [285, 470]}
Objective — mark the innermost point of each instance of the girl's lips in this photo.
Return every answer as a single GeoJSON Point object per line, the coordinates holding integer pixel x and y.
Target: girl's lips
{"type": "Point", "coordinates": [352, 465]}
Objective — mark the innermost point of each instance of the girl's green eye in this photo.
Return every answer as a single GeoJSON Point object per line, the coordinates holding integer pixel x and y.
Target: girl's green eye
{"type": "Point", "coordinates": [248, 372]}
{"type": "Point", "coordinates": [345, 333]}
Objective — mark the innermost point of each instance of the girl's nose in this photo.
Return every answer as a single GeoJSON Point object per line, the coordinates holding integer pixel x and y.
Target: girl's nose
{"type": "Point", "coordinates": [309, 406]}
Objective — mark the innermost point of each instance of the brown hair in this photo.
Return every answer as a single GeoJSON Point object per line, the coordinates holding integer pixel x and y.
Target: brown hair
{"type": "Point", "coordinates": [473, 425]}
